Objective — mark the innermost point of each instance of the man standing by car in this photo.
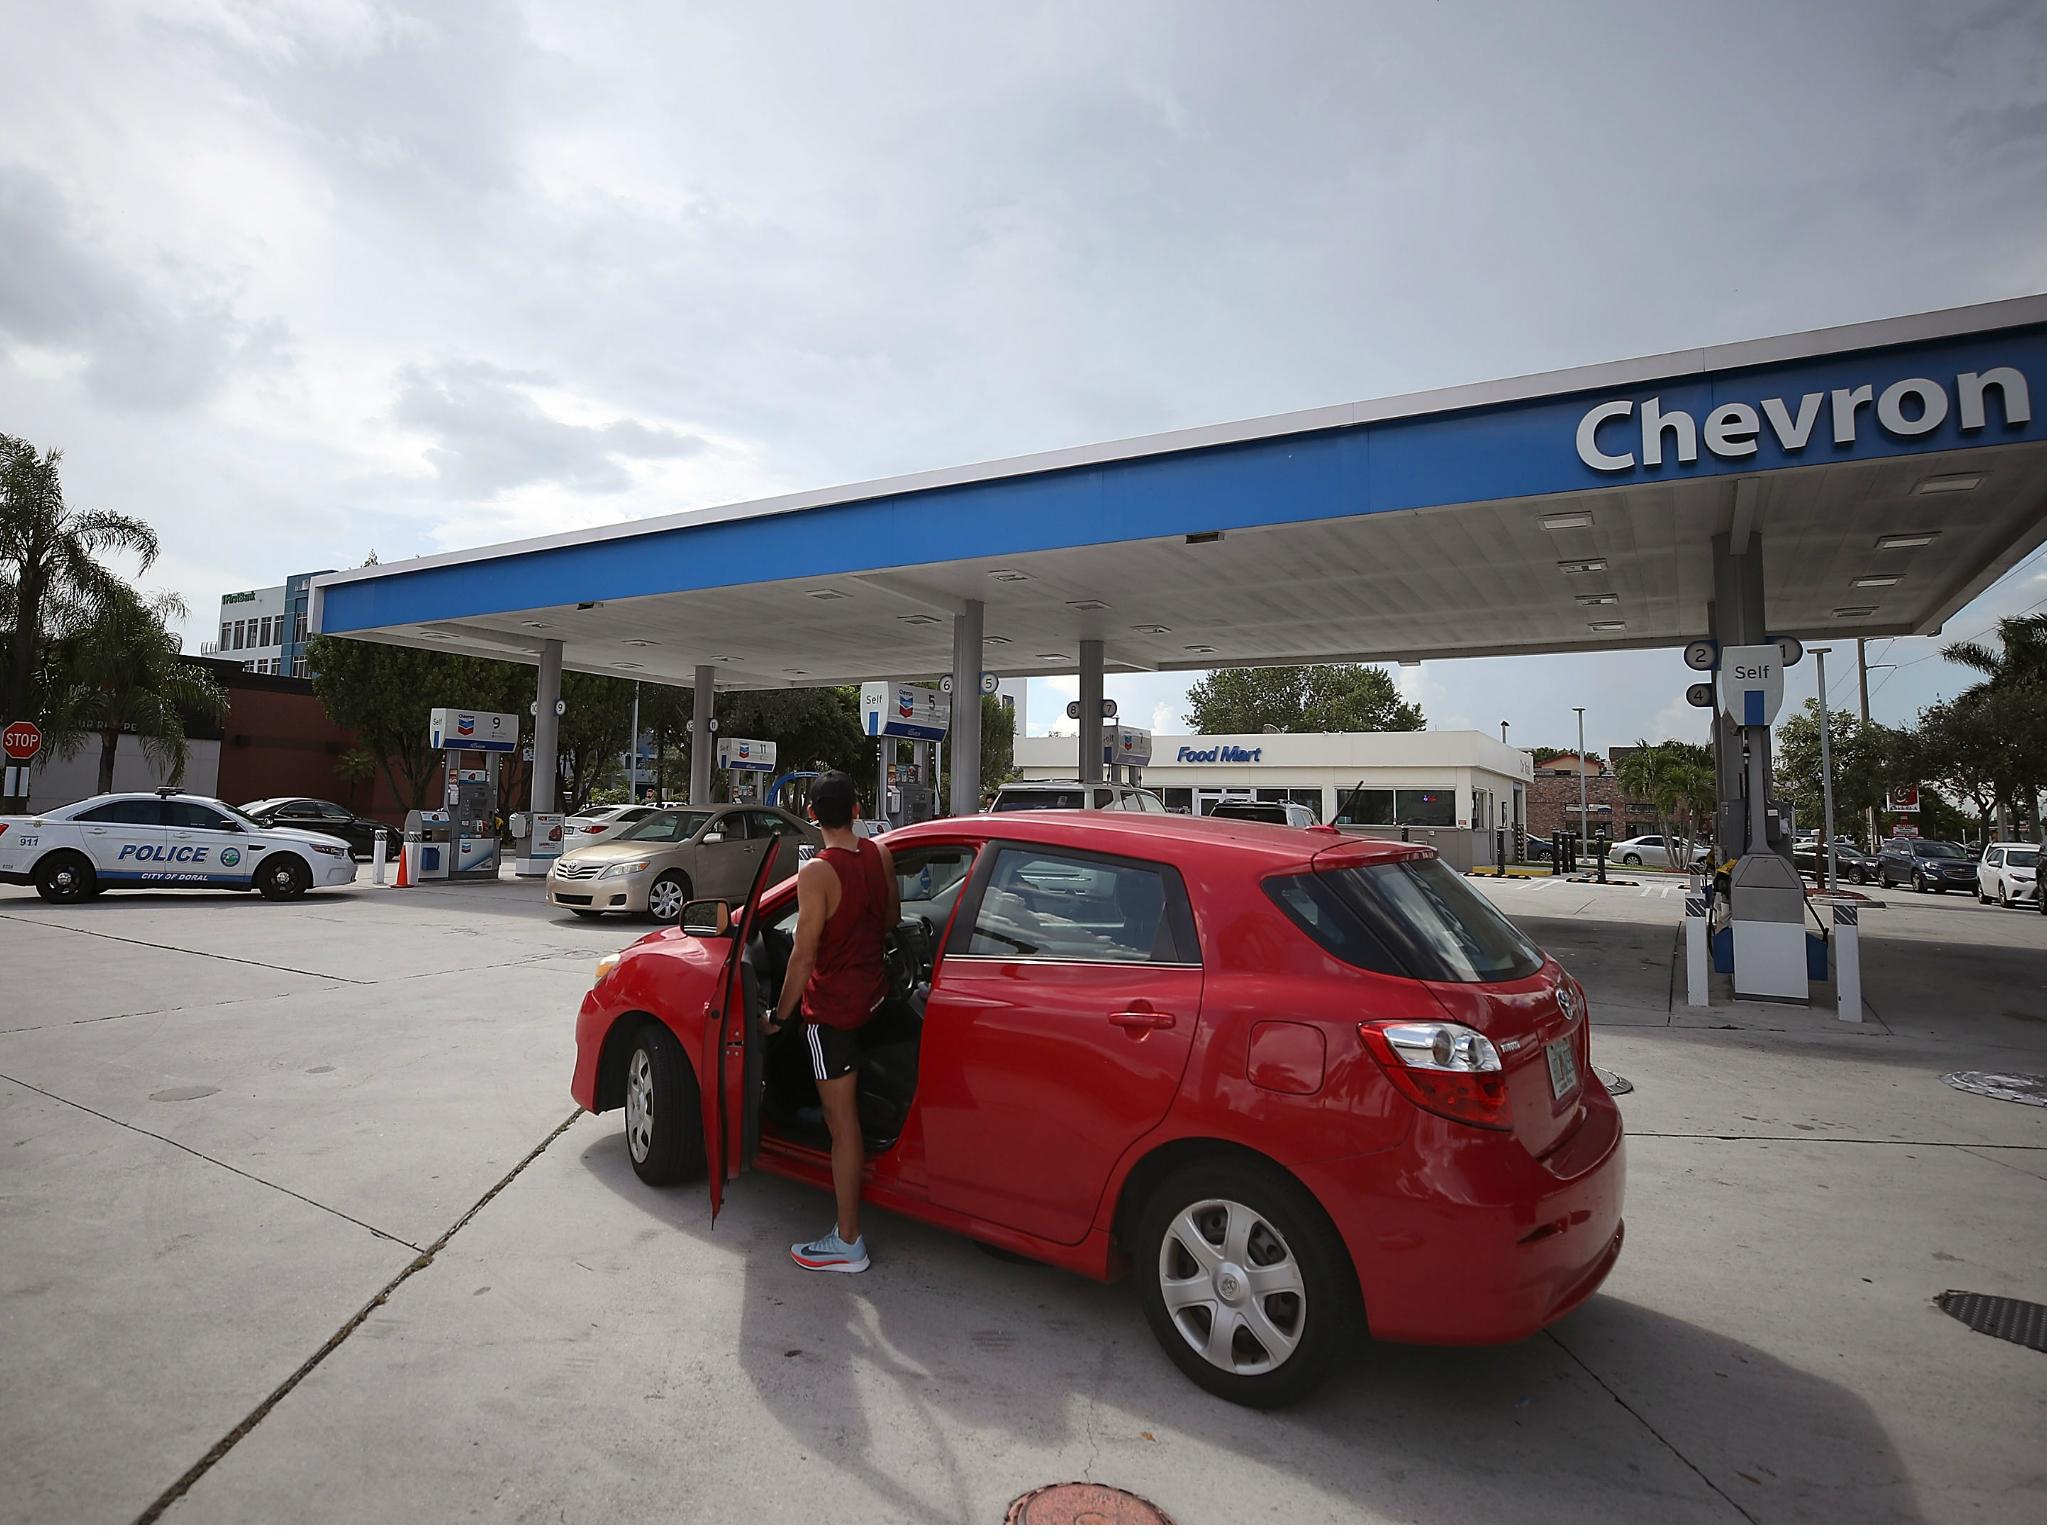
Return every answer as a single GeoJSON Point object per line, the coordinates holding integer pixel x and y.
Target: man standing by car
{"type": "Point", "coordinates": [846, 901]}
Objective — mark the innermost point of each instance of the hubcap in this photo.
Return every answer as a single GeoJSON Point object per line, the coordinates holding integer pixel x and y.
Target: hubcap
{"type": "Point", "coordinates": [639, 1105]}
{"type": "Point", "coordinates": [666, 899]}
{"type": "Point", "coordinates": [65, 878]}
{"type": "Point", "coordinates": [1232, 1287]}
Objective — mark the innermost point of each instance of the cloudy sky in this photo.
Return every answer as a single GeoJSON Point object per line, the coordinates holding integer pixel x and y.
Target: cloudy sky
{"type": "Point", "coordinates": [299, 279]}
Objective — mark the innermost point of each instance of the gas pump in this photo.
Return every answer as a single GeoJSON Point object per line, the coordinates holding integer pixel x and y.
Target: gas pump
{"type": "Point", "coordinates": [894, 712]}
{"type": "Point", "coordinates": [748, 765]}
{"type": "Point", "coordinates": [1766, 903]}
{"type": "Point", "coordinates": [459, 841]}
{"type": "Point", "coordinates": [1126, 751]}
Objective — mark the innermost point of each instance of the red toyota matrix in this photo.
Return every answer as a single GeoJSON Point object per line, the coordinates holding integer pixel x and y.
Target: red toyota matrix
{"type": "Point", "coordinates": [1304, 1086]}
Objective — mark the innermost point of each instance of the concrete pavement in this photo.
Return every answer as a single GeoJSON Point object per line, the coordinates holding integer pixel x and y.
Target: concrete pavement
{"type": "Point", "coordinates": [233, 1126]}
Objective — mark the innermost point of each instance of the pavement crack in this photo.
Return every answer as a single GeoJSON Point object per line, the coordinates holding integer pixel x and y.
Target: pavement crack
{"type": "Point", "coordinates": [204, 1158]}
{"type": "Point", "coordinates": [176, 949]}
{"type": "Point", "coordinates": [261, 1411]}
{"type": "Point", "coordinates": [1655, 1433]}
{"type": "Point", "coordinates": [1836, 1141]}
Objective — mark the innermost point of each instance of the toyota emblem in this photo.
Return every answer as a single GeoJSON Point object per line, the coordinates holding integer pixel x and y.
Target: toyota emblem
{"type": "Point", "coordinates": [1568, 1003]}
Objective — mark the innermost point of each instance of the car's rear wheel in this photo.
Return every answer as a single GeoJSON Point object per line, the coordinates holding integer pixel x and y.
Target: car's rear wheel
{"type": "Point", "coordinates": [1631, 858]}
{"type": "Point", "coordinates": [666, 896]}
{"type": "Point", "coordinates": [282, 877]}
{"type": "Point", "coordinates": [1245, 1282]}
{"type": "Point", "coordinates": [66, 877]}
{"type": "Point", "coordinates": [664, 1117]}
{"type": "Point", "coordinates": [1983, 899]}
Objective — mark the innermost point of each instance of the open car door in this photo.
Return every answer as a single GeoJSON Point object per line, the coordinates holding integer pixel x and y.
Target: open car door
{"type": "Point", "coordinates": [731, 1099]}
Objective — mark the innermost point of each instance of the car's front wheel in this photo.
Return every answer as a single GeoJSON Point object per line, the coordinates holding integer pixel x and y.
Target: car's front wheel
{"type": "Point", "coordinates": [666, 896]}
{"type": "Point", "coordinates": [66, 877]}
{"type": "Point", "coordinates": [283, 877]}
{"type": "Point", "coordinates": [1920, 882]}
{"type": "Point", "coordinates": [664, 1117]}
{"type": "Point", "coordinates": [1245, 1282]}
{"type": "Point", "coordinates": [2004, 896]}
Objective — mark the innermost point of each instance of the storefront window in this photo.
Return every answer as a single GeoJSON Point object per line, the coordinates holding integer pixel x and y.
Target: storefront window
{"type": "Point", "coordinates": [1182, 799]}
{"type": "Point", "coordinates": [1425, 807]}
{"type": "Point", "coordinates": [1365, 808]}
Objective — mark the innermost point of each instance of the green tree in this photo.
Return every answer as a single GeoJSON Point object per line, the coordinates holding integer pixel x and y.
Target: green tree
{"type": "Point", "coordinates": [1244, 700]}
{"type": "Point", "coordinates": [51, 578]}
{"type": "Point", "coordinates": [998, 743]}
{"type": "Point", "coordinates": [1867, 758]}
{"type": "Point", "coordinates": [1676, 780]}
{"type": "Point", "coordinates": [1961, 744]}
{"type": "Point", "coordinates": [812, 728]}
{"type": "Point", "coordinates": [355, 768]}
{"type": "Point", "coordinates": [123, 670]}
{"type": "Point", "coordinates": [2014, 700]}
{"type": "Point", "coordinates": [596, 729]}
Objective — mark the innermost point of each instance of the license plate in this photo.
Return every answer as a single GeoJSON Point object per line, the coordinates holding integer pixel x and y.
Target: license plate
{"type": "Point", "coordinates": [1564, 1067]}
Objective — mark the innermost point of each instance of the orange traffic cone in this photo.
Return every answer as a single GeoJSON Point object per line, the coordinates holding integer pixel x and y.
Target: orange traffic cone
{"type": "Point", "coordinates": [404, 869]}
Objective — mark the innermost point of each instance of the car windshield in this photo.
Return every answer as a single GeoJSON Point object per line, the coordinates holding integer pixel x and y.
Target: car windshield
{"type": "Point", "coordinates": [661, 827]}
{"type": "Point", "coordinates": [1038, 800]}
{"type": "Point", "coordinates": [258, 807]}
{"type": "Point", "coordinates": [2023, 858]}
{"type": "Point", "coordinates": [1927, 850]}
{"type": "Point", "coordinates": [1411, 917]}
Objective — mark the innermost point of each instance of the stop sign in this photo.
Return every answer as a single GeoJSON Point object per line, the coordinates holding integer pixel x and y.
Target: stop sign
{"type": "Point", "coordinates": [22, 740]}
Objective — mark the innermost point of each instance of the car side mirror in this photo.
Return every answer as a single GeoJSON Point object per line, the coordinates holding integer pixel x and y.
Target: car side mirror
{"type": "Point", "coordinates": [713, 837]}
{"type": "Point", "coordinates": [706, 919]}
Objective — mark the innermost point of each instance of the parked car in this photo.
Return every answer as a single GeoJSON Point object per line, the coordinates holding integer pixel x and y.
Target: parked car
{"type": "Point", "coordinates": [1537, 850]}
{"type": "Point", "coordinates": [359, 832]}
{"type": "Point", "coordinates": [1275, 813]}
{"type": "Point", "coordinates": [1073, 795]}
{"type": "Point", "coordinates": [2009, 874]}
{"type": "Point", "coordinates": [132, 842]}
{"type": "Point", "coordinates": [1649, 852]}
{"type": "Point", "coordinates": [1135, 1042]}
{"type": "Point", "coordinates": [656, 863]}
{"type": "Point", "coordinates": [1926, 864]}
{"type": "Point", "coordinates": [594, 821]}
{"type": "Point", "coordinates": [1851, 862]}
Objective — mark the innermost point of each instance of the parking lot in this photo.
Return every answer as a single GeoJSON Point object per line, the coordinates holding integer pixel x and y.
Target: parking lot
{"type": "Point", "coordinates": [298, 1223]}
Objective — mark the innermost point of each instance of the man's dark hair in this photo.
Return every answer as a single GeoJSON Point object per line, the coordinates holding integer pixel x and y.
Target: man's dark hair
{"type": "Point", "coordinates": [832, 800]}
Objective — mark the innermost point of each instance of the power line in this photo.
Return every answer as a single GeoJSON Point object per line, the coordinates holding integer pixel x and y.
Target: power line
{"type": "Point", "coordinates": [1899, 667]}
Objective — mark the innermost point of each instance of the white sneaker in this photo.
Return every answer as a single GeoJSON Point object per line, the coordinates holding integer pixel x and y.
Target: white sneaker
{"type": "Point", "coordinates": [832, 1252]}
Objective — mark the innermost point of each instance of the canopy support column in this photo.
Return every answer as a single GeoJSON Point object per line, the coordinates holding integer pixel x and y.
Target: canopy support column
{"type": "Point", "coordinates": [701, 750]}
{"type": "Point", "coordinates": [965, 728]}
{"type": "Point", "coordinates": [1091, 712]}
{"type": "Point", "coordinates": [547, 727]}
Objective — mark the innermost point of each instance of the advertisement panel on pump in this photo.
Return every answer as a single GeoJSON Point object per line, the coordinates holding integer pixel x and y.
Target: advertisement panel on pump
{"type": "Point", "coordinates": [472, 730]}
{"type": "Point", "coordinates": [906, 710]}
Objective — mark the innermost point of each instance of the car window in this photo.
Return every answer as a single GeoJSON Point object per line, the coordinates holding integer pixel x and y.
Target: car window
{"type": "Point", "coordinates": [1151, 803]}
{"type": "Point", "coordinates": [732, 827]}
{"type": "Point", "coordinates": [2023, 858]}
{"type": "Point", "coordinates": [1994, 855]}
{"type": "Point", "coordinates": [765, 824]}
{"type": "Point", "coordinates": [1054, 905]}
{"type": "Point", "coordinates": [1225, 811]}
{"type": "Point", "coordinates": [131, 813]}
{"type": "Point", "coordinates": [198, 818]}
{"type": "Point", "coordinates": [1406, 917]}
{"type": "Point", "coordinates": [1038, 800]}
{"type": "Point", "coordinates": [329, 808]}
{"type": "Point", "coordinates": [929, 881]}
{"type": "Point", "coordinates": [1933, 850]}
{"type": "Point", "coordinates": [661, 827]}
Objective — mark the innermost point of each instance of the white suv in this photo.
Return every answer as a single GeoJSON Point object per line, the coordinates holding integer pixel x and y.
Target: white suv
{"type": "Point", "coordinates": [1073, 795]}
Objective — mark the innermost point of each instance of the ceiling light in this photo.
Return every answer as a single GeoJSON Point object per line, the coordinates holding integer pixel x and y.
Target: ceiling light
{"type": "Point", "coordinates": [582, 607]}
{"type": "Point", "coordinates": [1054, 656]}
{"type": "Point", "coordinates": [1907, 540]}
{"type": "Point", "coordinates": [1581, 567]}
{"type": "Point", "coordinates": [1557, 522]}
{"type": "Point", "coordinates": [825, 594]}
{"type": "Point", "coordinates": [1879, 581]}
{"type": "Point", "coordinates": [534, 624]}
{"type": "Point", "coordinates": [1205, 538]}
{"type": "Point", "coordinates": [1007, 576]}
{"type": "Point", "coordinates": [1152, 629]}
{"type": "Point", "coordinates": [1934, 485]}
{"type": "Point", "coordinates": [1854, 613]}
{"type": "Point", "coordinates": [1598, 599]}
{"type": "Point", "coordinates": [631, 666]}
{"type": "Point", "coordinates": [1200, 650]}
{"type": "Point", "coordinates": [435, 634]}
{"type": "Point", "coordinates": [995, 639]}
{"type": "Point", "coordinates": [640, 642]}
{"type": "Point", "coordinates": [728, 658]}
{"type": "Point", "coordinates": [1607, 626]}
{"type": "Point", "coordinates": [795, 672]}
{"type": "Point", "coordinates": [1088, 605]}
{"type": "Point", "coordinates": [917, 618]}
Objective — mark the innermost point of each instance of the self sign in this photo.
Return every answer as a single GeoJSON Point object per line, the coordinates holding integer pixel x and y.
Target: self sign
{"type": "Point", "coordinates": [1752, 684]}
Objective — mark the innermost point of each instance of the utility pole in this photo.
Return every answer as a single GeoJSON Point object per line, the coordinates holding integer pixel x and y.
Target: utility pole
{"type": "Point", "coordinates": [1579, 710]}
{"type": "Point", "coordinates": [1863, 713]}
{"type": "Point", "coordinates": [1827, 772]}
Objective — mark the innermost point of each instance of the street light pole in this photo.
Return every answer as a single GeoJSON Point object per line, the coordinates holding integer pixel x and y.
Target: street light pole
{"type": "Point", "coordinates": [1827, 772]}
{"type": "Point", "coordinates": [633, 752]}
{"type": "Point", "coordinates": [1579, 710]}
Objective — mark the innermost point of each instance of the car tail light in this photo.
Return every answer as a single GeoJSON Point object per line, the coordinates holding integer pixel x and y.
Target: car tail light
{"type": "Point", "coordinates": [1446, 1069]}
{"type": "Point", "coordinates": [594, 826]}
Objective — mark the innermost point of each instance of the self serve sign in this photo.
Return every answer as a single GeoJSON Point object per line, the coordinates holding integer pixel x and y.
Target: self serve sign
{"type": "Point", "coordinates": [1752, 683]}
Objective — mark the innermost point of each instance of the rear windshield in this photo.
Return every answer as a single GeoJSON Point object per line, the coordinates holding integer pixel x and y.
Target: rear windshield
{"type": "Point", "coordinates": [1938, 851]}
{"type": "Point", "coordinates": [1038, 800]}
{"type": "Point", "coordinates": [2023, 858]}
{"type": "Point", "coordinates": [1407, 917]}
{"type": "Point", "coordinates": [1249, 813]}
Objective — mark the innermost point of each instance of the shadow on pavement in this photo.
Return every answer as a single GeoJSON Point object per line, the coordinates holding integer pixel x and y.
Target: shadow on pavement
{"type": "Point", "coordinates": [995, 1355]}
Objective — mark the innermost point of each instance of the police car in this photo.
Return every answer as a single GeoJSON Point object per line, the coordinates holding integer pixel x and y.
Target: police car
{"type": "Point", "coordinates": [125, 841]}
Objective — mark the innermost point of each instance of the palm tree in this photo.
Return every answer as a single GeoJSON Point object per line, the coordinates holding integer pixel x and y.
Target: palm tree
{"type": "Point", "coordinates": [2012, 694]}
{"type": "Point", "coordinates": [51, 577]}
{"type": "Point", "coordinates": [123, 670]}
{"type": "Point", "coordinates": [2019, 661]}
{"type": "Point", "coordinates": [1676, 780]}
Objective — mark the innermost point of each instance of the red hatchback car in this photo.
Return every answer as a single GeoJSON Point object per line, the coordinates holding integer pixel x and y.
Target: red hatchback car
{"type": "Point", "coordinates": [1305, 1086]}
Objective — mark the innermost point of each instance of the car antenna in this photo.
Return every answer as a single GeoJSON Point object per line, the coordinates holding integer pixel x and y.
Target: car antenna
{"type": "Point", "coordinates": [1346, 806]}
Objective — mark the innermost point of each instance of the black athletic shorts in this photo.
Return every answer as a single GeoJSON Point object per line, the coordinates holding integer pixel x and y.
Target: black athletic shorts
{"type": "Point", "coordinates": [834, 1052]}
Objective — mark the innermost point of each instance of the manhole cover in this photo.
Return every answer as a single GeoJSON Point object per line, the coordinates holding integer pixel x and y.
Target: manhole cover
{"type": "Point", "coordinates": [2013, 1087]}
{"type": "Point", "coordinates": [1615, 1082]}
{"type": "Point", "coordinates": [1083, 1504]}
{"type": "Point", "coordinates": [2003, 1317]}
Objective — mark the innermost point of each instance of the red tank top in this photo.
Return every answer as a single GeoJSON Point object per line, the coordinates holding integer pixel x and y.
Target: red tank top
{"type": "Point", "coordinates": [849, 980]}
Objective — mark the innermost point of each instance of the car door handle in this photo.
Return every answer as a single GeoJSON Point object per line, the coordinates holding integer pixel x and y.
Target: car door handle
{"type": "Point", "coordinates": [1140, 1020]}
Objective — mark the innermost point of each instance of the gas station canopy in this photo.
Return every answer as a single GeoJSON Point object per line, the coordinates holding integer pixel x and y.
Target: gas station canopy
{"type": "Point", "coordinates": [1890, 472]}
